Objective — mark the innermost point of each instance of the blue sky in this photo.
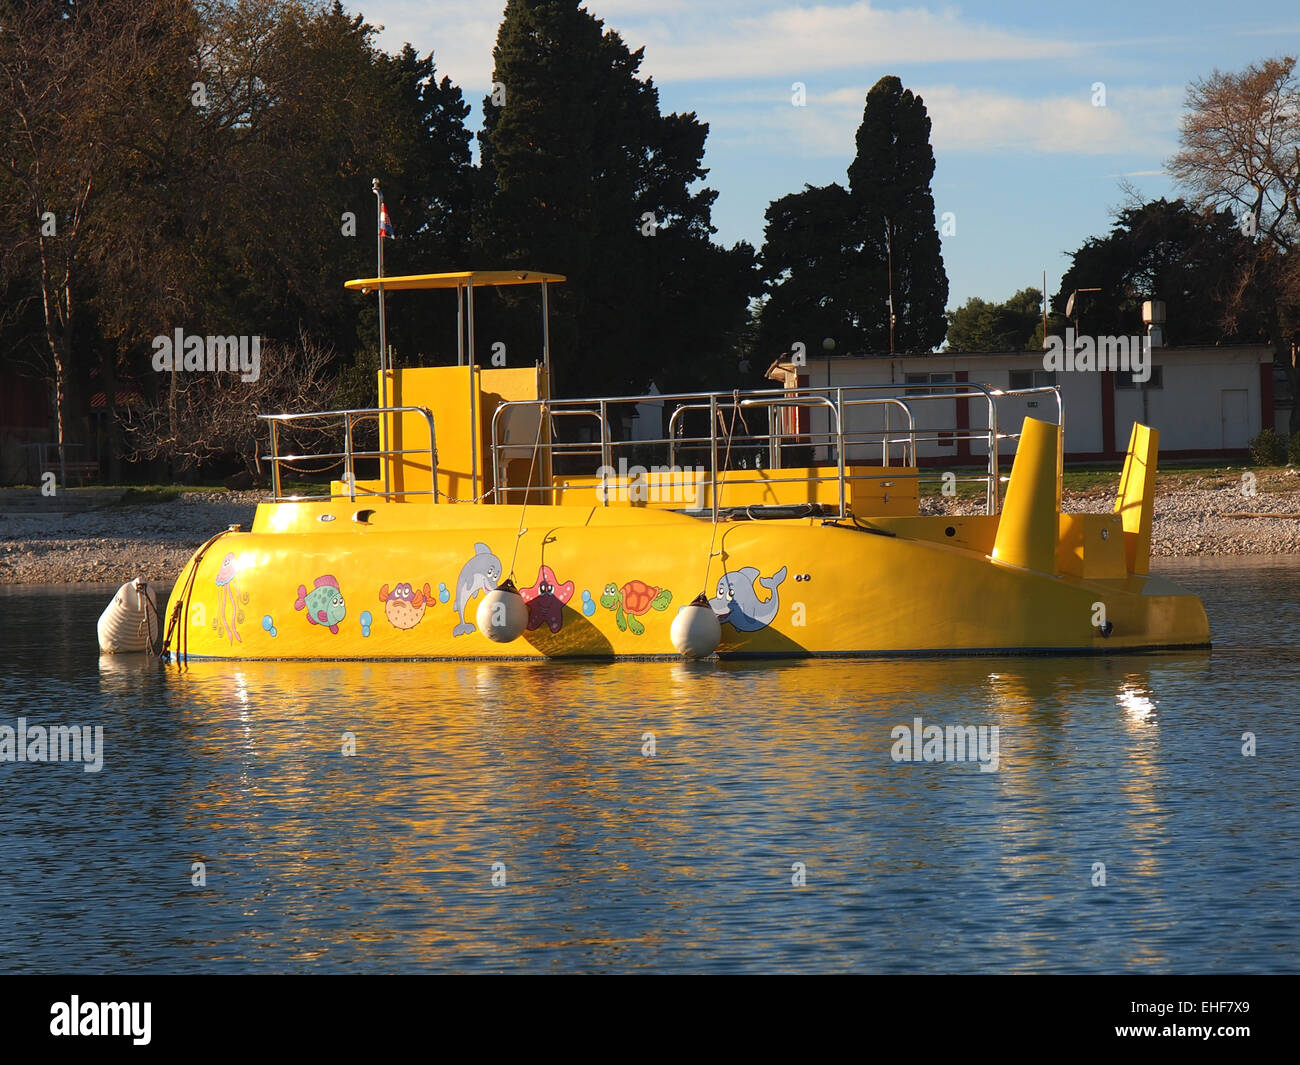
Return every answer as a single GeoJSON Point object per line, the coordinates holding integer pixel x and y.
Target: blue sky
{"type": "Point", "coordinates": [1025, 161]}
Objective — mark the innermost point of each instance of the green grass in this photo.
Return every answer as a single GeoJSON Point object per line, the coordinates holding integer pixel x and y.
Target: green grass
{"type": "Point", "coordinates": [1104, 480]}
{"type": "Point", "coordinates": [148, 495]}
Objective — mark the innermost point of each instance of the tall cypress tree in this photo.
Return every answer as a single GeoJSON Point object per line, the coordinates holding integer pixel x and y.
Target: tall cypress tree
{"type": "Point", "coordinates": [890, 182]}
{"type": "Point", "coordinates": [833, 256]}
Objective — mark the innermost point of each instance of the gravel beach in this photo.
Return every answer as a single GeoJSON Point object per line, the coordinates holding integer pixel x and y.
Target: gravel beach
{"type": "Point", "coordinates": [116, 543]}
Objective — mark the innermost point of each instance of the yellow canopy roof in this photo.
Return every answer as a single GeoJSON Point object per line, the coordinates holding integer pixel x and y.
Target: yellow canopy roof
{"type": "Point", "coordinates": [459, 279]}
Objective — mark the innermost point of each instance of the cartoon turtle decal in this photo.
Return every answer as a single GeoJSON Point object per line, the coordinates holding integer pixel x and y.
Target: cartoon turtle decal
{"type": "Point", "coordinates": [403, 606]}
{"type": "Point", "coordinates": [546, 600]}
{"type": "Point", "coordinates": [324, 603]}
{"type": "Point", "coordinates": [633, 600]}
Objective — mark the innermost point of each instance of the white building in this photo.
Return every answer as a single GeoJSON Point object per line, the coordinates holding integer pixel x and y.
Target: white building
{"type": "Point", "coordinates": [1206, 402]}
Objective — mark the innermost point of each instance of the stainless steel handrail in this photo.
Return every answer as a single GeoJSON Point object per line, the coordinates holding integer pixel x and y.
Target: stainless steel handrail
{"type": "Point", "coordinates": [809, 397]}
{"type": "Point", "coordinates": [715, 402]}
{"type": "Point", "coordinates": [348, 454]}
{"type": "Point", "coordinates": [835, 401]}
{"type": "Point", "coordinates": [909, 455]}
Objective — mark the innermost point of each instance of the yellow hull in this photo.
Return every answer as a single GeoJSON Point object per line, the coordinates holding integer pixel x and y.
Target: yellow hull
{"type": "Point", "coordinates": [310, 582]}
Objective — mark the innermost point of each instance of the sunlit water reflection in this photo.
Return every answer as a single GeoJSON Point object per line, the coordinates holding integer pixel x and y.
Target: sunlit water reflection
{"type": "Point", "coordinates": [613, 859]}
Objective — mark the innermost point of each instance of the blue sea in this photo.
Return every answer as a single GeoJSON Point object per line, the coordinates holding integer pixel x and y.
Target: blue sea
{"type": "Point", "coordinates": [658, 816]}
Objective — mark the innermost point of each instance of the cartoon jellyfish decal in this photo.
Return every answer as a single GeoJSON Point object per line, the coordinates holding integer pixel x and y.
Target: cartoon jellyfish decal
{"type": "Point", "coordinates": [230, 600]}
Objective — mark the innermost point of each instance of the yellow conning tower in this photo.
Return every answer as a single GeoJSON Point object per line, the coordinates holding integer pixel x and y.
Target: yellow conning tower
{"type": "Point", "coordinates": [436, 430]}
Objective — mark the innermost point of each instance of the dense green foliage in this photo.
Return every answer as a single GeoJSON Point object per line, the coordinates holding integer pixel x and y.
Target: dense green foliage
{"type": "Point", "coordinates": [1269, 448]}
{"type": "Point", "coordinates": [585, 177]}
{"type": "Point", "coordinates": [1015, 325]}
{"type": "Point", "coordinates": [1193, 261]}
{"type": "Point", "coordinates": [834, 258]}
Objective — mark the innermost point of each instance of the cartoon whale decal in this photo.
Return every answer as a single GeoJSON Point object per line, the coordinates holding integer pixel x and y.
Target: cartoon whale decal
{"type": "Point", "coordinates": [737, 604]}
{"type": "Point", "coordinates": [479, 574]}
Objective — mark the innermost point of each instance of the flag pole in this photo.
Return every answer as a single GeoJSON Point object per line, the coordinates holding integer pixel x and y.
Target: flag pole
{"type": "Point", "coordinates": [379, 229]}
{"type": "Point", "coordinates": [383, 334]}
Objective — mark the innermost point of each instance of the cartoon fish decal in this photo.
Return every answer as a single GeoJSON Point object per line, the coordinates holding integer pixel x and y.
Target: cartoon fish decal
{"type": "Point", "coordinates": [404, 606]}
{"type": "Point", "coordinates": [324, 603]}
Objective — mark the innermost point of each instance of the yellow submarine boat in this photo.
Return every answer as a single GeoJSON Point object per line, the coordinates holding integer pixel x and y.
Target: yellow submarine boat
{"type": "Point", "coordinates": [500, 522]}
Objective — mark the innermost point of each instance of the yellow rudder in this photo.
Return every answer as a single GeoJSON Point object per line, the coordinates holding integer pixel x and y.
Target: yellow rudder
{"type": "Point", "coordinates": [1136, 500]}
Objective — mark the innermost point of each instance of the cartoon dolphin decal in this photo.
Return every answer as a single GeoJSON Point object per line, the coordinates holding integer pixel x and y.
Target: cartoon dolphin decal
{"type": "Point", "coordinates": [737, 604]}
{"type": "Point", "coordinates": [479, 574]}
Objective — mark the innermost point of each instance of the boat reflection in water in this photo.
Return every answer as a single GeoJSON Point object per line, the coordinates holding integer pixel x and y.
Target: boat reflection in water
{"type": "Point", "coordinates": [436, 811]}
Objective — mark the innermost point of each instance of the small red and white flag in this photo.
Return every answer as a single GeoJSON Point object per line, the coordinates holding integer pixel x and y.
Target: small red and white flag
{"type": "Point", "coordinates": [385, 223]}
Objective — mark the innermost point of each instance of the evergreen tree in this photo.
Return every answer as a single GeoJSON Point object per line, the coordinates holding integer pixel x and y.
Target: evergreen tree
{"type": "Point", "coordinates": [832, 256]}
{"type": "Point", "coordinates": [1165, 250]}
{"type": "Point", "coordinates": [585, 177]}
{"type": "Point", "coordinates": [890, 182]}
{"type": "Point", "coordinates": [811, 260]}
{"type": "Point", "coordinates": [1014, 325]}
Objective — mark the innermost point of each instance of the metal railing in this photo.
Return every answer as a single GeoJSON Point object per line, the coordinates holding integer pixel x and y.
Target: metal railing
{"type": "Point", "coordinates": [730, 434]}
{"type": "Point", "coordinates": [728, 445]}
{"type": "Point", "coordinates": [349, 455]}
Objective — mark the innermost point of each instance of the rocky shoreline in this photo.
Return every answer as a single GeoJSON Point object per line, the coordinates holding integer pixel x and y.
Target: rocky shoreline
{"type": "Point", "coordinates": [115, 543]}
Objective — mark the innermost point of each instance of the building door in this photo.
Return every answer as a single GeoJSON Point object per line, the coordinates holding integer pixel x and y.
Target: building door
{"type": "Point", "coordinates": [1235, 418]}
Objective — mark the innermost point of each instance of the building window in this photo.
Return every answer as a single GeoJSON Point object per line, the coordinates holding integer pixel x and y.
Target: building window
{"type": "Point", "coordinates": [932, 379]}
{"type": "Point", "coordinates": [1032, 379]}
{"type": "Point", "coordinates": [1124, 378]}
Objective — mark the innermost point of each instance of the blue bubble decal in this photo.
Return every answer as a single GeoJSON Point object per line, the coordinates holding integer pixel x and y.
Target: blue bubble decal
{"type": "Point", "coordinates": [268, 624]}
{"type": "Point", "coordinates": [366, 621]}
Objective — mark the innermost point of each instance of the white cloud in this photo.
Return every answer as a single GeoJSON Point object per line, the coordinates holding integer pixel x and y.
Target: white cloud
{"type": "Point", "coordinates": [779, 42]}
{"type": "Point", "coordinates": [731, 39]}
{"type": "Point", "coordinates": [1137, 121]}
{"type": "Point", "coordinates": [1140, 121]}
{"type": "Point", "coordinates": [806, 41]}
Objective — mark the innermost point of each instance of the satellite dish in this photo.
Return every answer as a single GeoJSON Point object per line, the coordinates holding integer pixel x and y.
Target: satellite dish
{"type": "Point", "coordinates": [1069, 305]}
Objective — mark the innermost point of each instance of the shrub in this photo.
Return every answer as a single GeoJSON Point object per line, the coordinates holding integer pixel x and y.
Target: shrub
{"type": "Point", "coordinates": [1268, 449]}
{"type": "Point", "coordinates": [1293, 450]}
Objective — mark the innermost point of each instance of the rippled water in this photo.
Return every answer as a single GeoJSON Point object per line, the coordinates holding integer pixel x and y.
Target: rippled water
{"type": "Point", "coordinates": [683, 860]}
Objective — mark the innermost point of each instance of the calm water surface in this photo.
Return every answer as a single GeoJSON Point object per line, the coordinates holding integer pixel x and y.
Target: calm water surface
{"type": "Point", "coordinates": [681, 861]}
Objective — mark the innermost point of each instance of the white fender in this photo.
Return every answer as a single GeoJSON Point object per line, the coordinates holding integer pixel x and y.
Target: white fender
{"type": "Point", "coordinates": [502, 615]}
{"type": "Point", "coordinates": [130, 623]}
{"type": "Point", "coordinates": [696, 631]}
